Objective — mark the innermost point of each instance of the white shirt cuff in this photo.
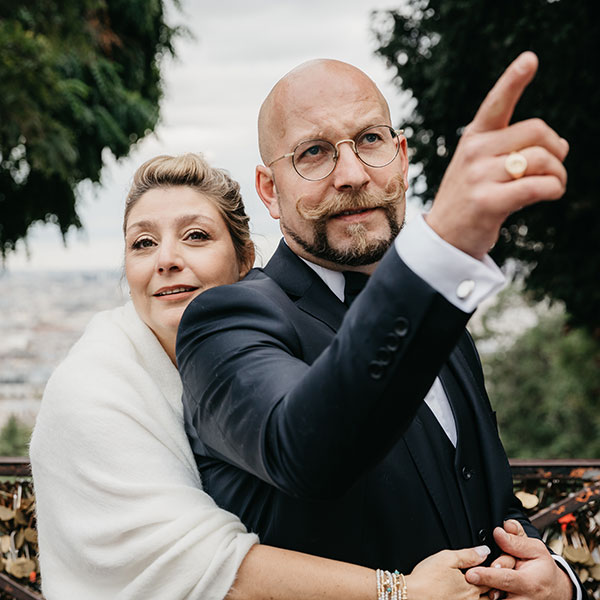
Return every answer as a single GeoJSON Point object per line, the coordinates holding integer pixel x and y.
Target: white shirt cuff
{"type": "Point", "coordinates": [463, 280]}
{"type": "Point", "coordinates": [569, 572]}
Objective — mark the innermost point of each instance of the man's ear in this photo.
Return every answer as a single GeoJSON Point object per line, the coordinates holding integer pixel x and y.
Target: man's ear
{"type": "Point", "coordinates": [265, 187]}
{"type": "Point", "coordinates": [403, 152]}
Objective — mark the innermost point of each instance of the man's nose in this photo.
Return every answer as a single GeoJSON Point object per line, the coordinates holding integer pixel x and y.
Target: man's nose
{"type": "Point", "coordinates": [168, 258]}
{"type": "Point", "coordinates": [350, 172]}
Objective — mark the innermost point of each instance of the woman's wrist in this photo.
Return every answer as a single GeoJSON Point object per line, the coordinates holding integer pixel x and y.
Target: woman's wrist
{"type": "Point", "coordinates": [391, 585]}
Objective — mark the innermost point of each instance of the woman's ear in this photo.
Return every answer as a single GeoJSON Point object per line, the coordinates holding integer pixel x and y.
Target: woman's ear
{"type": "Point", "coordinates": [265, 187]}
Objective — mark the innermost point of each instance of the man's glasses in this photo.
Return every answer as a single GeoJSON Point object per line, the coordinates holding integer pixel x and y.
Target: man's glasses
{"type": "Point", "coordinates": [375, 146]}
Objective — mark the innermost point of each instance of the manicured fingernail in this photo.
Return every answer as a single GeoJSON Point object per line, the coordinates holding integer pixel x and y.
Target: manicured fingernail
{"type": "Point", "coordinates": [497, 566]}
{"type": "Point", "coordinates": [473, 577]}
{"type": "Point", "coordinates": [482, 550]}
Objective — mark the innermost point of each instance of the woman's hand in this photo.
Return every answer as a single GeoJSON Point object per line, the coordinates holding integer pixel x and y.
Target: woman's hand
{"type": "Point", "coordinates": [440, 576]}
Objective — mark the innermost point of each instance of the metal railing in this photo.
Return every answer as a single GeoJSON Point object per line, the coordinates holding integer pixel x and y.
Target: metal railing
{"type": "Point", "coordinates": [564, 487]}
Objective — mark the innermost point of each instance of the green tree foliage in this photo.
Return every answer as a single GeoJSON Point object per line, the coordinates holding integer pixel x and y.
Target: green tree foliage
{"type": "Point", "coordinates": [14, 438]}
{"type": "Point", "coordinates": [78, 77]}
{"type": "Point", "coordinates": [545, 385]}
{"type": "Point", "coordinates": [448, 54]}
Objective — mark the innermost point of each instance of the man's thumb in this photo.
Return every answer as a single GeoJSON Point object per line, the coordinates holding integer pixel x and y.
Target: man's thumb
{"type": "Point", "coordinates": [517, 545]}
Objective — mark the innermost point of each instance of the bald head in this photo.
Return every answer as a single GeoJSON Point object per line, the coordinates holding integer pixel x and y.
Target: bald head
{"type": "Point", "coordinates": [306, 92]}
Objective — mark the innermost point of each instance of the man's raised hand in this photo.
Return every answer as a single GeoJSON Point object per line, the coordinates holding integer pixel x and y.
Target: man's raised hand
{"type": "Point", "coordinates": [477, 193]}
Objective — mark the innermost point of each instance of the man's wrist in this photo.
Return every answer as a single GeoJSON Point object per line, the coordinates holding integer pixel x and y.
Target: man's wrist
{"type": "Point", "coordinates": [570, 587]}
{"type": "Point", "coordinates": [463, 280]}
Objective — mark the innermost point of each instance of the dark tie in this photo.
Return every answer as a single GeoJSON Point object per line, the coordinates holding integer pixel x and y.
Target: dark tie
{"type": "Point", "coordinates": [355, 282]}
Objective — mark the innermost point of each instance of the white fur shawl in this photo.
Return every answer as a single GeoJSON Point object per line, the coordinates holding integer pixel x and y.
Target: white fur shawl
{"type": "Point", "coordinates": [121, 514]}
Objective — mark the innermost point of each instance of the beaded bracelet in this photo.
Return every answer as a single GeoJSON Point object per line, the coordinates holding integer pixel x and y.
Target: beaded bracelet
{"type": "Point", "coordinates": [391, 586]}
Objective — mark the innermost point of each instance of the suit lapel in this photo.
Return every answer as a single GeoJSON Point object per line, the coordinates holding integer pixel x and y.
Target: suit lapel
{"type": "Point", "coordinates": [469, 387]}
{"type": "Point", "coordinates": [305, 287]}
{"type": "Point", "coordinates": [425, 461]}
{"type": "Point", "coordinates": [485, 426]}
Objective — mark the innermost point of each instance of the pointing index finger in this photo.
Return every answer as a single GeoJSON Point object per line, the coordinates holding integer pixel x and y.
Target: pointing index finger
{"type": "Point", "coordinates": [498, 106]}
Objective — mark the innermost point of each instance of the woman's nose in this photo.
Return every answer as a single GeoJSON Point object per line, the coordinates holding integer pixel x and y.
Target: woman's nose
{"type": "Point", "coordinates": [168, 258]}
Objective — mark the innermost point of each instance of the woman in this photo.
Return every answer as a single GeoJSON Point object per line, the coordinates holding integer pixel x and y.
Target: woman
{"type": "Point", "coordinates": [121, 513]}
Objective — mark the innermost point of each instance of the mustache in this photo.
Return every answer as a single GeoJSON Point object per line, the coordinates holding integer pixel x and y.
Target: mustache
{"type": "Point", "coordinates": [354, 200]}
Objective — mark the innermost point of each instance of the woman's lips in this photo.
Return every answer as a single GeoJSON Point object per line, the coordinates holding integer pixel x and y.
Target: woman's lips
{"type": "Point", "coordinates": [174, 292]}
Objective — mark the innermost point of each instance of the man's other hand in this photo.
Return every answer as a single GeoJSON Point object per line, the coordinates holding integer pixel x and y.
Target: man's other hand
{"type": "Point", "coordinates": [535, 575]}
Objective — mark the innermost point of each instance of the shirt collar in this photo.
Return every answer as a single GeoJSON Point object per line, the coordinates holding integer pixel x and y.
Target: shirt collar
{"type": "Point", "coordinates": [334, 280]}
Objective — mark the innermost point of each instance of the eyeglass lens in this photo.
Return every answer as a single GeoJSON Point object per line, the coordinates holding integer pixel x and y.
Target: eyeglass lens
{"type": "Point", "coordinates": [376, 147]}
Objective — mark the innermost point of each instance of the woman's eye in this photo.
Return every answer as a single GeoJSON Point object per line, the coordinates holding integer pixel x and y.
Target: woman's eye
{"type": "Point", "coordinates": [197, 235]}
{"type": "Point", "coordinates": [142, 243]}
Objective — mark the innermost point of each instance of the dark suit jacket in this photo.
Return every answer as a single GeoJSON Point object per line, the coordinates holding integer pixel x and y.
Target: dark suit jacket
{"type": "Point", "coordinates": [304, 418]}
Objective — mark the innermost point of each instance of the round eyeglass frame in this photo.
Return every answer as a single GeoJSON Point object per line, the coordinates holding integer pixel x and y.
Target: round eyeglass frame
{"type": "Point", "coordinates": [395, 134]}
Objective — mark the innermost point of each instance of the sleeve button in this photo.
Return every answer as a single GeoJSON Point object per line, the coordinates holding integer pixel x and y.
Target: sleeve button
{"type": "Point", "coordinates": [401, 326]}
{"type": "Point", "coordinates": [392, 343]}
{"type": "Point", "coordinates": [376, 369]}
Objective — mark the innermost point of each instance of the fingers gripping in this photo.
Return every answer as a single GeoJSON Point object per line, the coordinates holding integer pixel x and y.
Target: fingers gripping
{"type": "Point", "coordinates": [513, 526]}
{"type": "Point", "coordinates": [518, 545]}
{"type": "Point", "coordinates": [507, 580]}
{"type": "Point", "coordinates": [504, 561]}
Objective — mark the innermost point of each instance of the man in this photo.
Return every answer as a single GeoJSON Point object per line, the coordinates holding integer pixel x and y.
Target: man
{"type": "Point", "coordinates": [367, 436]}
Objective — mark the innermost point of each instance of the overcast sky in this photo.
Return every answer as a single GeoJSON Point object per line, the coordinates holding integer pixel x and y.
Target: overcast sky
{"type": "Point", "coordinates": [213, 91]}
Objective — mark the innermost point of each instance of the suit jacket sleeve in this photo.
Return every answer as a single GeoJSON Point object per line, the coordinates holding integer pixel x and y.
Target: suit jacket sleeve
{"type": "Point", "coordinates": [310, 429]}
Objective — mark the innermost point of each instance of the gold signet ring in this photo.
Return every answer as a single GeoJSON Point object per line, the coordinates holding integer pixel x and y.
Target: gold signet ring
{"type": "Point", "coordinates": [515, 165]}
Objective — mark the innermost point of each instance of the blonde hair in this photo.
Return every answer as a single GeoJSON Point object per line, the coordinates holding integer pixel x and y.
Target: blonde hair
{"type": "Point", "coordinates": [193, 171]}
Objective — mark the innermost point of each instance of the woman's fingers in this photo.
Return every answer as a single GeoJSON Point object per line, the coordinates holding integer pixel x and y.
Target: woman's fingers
{"type": "Point", "coordinates": [467, 557]}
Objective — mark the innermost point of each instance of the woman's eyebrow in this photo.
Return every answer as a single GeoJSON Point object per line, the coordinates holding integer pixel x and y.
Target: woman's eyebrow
{"type": "Point", "coordinates": [179, 222]}
{"type": "Point", "coordinates": [191, 218]}
{"type": "Point", "coordinates": [139, 225]}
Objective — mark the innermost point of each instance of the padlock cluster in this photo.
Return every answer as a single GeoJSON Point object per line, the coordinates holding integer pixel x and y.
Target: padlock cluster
{"type": "Point", "coordinates": [574, 533]}
{"type": "Point", "coordinates": [18, 534]}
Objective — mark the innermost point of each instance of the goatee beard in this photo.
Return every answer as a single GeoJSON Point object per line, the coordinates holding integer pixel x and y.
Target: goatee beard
{"type": "Point", "coordinates": [362, 250]}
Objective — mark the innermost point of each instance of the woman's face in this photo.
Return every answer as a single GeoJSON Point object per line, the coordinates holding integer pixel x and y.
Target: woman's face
{"type": "Point", "coordinates": [177, 246]}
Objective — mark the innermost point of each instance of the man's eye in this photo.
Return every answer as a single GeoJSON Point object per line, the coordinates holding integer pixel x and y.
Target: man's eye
{"type": "Point", "coordinates": [142, 243]}
{"type": "Point", "coordinates": [370, 138]}
{"type": "Point", "coordinates": [312, 151]}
